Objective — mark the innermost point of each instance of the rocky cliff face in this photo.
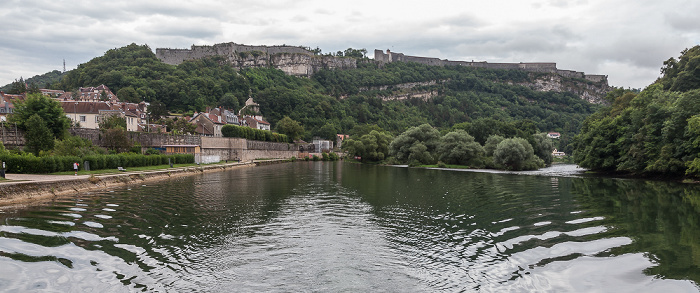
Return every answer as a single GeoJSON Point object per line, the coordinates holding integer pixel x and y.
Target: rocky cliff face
{"type": "Point", "coordinates": [291, 63]}
{"type": "Point", "coordinates": [593, 92]}
{"type": "Point", "coordinates": [292, 60]}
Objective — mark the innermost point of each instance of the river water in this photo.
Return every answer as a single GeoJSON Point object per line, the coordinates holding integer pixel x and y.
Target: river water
{"type": "Point", "coordinates": [340, 227]}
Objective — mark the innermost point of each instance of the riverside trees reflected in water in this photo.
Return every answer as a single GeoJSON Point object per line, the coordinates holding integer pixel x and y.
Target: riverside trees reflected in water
{"type": "Point", "coordinates": [321, 226]}
{"type": "Point", "coordinates": [662, 218]}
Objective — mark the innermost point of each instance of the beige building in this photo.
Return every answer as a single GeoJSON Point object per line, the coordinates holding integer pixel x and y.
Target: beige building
{"type": "Point", "coordinates": [85, 114]}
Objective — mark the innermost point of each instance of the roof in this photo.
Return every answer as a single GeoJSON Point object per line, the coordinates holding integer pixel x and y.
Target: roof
{"type": "Point", "coordinates": [84, 107]}
{"type": "Point", "coordinates": [252, 119]}
{"type": "Point", "coordinates": [180, 145]}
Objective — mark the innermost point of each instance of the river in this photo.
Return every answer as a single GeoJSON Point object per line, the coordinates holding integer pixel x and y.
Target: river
{"type": "Point", "coordinates": [341, 227]}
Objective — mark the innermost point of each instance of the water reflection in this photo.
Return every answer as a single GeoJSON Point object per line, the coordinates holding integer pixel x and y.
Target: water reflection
{"type": "Point", "coordinates": [346, 227]}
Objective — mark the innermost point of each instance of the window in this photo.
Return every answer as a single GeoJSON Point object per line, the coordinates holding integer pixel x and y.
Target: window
{"type": "Point", "coordinates": [83, 118]}
{"type": "Point", "coordinates": [97, 119]}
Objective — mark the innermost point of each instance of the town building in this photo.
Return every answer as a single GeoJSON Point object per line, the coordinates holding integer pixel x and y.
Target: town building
{"type": "Point", "coordinates": [85, 114]}
{"type": "Point", "coordinates": [555, 135]}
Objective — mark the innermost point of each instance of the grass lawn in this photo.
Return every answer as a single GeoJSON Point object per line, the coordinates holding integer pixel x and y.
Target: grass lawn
{"type": "Point", "coordinates": [446, 166]}
{"type": "Point", "coordinates": [129, 169]}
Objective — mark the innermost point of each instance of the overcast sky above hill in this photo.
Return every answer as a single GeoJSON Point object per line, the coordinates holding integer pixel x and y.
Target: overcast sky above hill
{"type": "Point", "coordinates": [626, 39]}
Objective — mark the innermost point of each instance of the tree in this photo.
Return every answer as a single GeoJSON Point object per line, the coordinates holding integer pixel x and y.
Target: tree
{"type": "Point", "coordinates": [355, 53]}
{"type": "Point", "coordinates": [458, 147]}
{"type": "Point", "coordinates": [328, 131]}
{"type": "Point", "coordinates": [76, 146]}
{"type": "Point", "coordinates": [38, 137]}
{"type": "Point", "coordinates": [416, 145]}
{"type": "Point", "coordinates": [112, 121]}
{"type": "Point", "coordinates": [229, 101]}
{"type": "Point", "coordinates": [113, 128]}
{"type": "Point", "coordinates": [180, 126]}
{"type": "Point", "coordinates": [491, 144]}
{"type": "Point", "coordinates": [371, 147]}
{"type": "Point", "coordinates": [543, 147]}
{"type": "Point", "coordinates": [128, 94]}
{"type": "Point", "coordinates": [49, 110]}
{"type": "Point", "coordinates": [516, 154]}
{"type": "Point", "coordinates": [116, 139]}
{"type": "Point", "coordinates": [33, 88]}
{"type": "Point", "coordinates": [157, 111]}
{"type": "Point", "coordinates": [18, 87]}
{"type": "Point", "coordinates": [290, 127]}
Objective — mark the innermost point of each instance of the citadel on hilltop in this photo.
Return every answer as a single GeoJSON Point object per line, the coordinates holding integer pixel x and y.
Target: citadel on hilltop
{"type": "Point", "coordinates": [296, 61]}
{"type": "Point", "coordinates": [300, 61]}
{"type": "Point", "coordinates": [547, 67]}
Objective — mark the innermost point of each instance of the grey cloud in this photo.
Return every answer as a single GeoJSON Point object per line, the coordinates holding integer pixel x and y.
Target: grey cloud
{"type": "Point", "coordinates": [683, 22]}
{"type": "Point", "coordinates": [300, 18]}
{"type": "Point", "coordinates": [188, 28]}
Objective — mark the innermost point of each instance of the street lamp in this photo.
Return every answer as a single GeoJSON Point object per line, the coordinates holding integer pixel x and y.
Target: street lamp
{"type": "Point", "coordinates": [75, 114]}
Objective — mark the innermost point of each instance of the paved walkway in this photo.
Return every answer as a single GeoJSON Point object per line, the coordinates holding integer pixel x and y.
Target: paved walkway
{"type": "Point", "coordinates": [21, 178]}
{"type": "Point", "coordinates": [15, 178]}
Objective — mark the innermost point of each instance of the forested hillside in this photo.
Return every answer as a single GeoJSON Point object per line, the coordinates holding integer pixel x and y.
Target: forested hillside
{"type": "Point", "coordinates": [655, 132]}
{"type": "Point", "coordinates": [335, 101]}
{"type": "Point", "coordinates": [38, 81]}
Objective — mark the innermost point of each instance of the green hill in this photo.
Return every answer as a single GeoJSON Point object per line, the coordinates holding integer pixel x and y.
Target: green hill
{"type": "Point", "coordinates": [46, 80]}
{"type": "Point", "coordinates": [394, 96]}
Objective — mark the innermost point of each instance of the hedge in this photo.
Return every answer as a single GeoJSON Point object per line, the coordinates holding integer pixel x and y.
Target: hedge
{"type": "Point", "coordinates": [29, 164]}
{"type": "Point", "coordinates": [252, 133]}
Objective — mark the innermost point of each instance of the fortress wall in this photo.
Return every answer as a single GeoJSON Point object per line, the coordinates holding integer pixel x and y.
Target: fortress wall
{"type": "Point", "coordinates": [596, 77]}
{"type": "Point", "coordinates": [424, 60]}
{"type": "Point", "coordinates": [539, 67]}
{"type": "Point", "coordinates": [177, 56]}
{"type": "Point", "coordinates": [266, 145]}
{"type": "Point", "coordinates": [379, 56]}
{"type": "Point", "coordinates": [546, 67]}
{"type": "Point", "coordinates": [296, 61]}
{"type": "Point", "coordinates": [570, 73]}
{"type": "Point", "coordinates": [509, 66]}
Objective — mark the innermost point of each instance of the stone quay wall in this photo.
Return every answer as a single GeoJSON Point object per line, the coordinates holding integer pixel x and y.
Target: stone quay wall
{"type": "Point", "coordinates": [218, 148]}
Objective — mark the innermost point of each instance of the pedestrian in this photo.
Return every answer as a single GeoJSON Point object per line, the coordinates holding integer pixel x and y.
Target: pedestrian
{"type": "Point", "coordinates": [75, 167]}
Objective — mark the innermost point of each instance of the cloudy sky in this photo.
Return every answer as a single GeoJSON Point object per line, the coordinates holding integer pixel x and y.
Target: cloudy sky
{"type": "Point", "coordinates": [628, 40]}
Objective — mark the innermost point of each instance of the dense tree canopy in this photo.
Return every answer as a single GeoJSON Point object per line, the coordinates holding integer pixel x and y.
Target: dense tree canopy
{"type": "Point", "coordinates": [653, 132]}
{"type": "Point", "coordinates": [38, 136]}
{"type": "Point", "coordinates": [423, 145]}
{"type": "Point", "coordinates": [371, 147]}
{"type": "Point", "coordinates": [459, 148]}
{"type": "Point", "coordinates": [289, 127]}
{"type": "Point", "coordinates": [49, 110]}
{"type": "Point", "coordinates": [416, 145]}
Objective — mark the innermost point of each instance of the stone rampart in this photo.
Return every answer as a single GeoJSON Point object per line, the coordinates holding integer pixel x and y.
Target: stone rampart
{"type": "Point", "coordinates": [266, 145]}
{"type": "Point", "coordinates": [296, 61]}
{"type": "Point", "coordinates": [209, 142]}
{"type": "Point", "coordinates": [596, 78]}
{"type": "Point", "coordinates": [177, 56]}
{"type": "Point", "coordinates": [146, 140]}
{"type": "Point", "coordinates": [543, 67]}
{"type": "Point", "coordinates": [226, 148]}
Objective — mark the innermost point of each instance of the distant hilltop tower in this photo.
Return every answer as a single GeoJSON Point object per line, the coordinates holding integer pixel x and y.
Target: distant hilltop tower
{"type": "Point", "coordinates": [64, 65]}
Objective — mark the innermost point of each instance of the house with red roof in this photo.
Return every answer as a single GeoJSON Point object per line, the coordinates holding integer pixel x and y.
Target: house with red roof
{"type": "Point", "coordinates": [208, 124]}
{"type": "Point", "coordinates": [7, 104]}
{"type": "Point", "coordinates": [84, 113]}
